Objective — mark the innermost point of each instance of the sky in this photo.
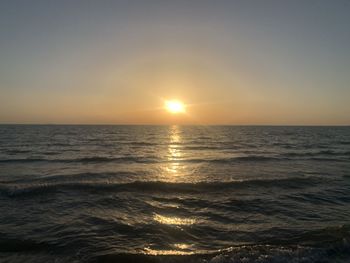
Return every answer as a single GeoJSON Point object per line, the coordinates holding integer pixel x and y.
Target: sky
{"type": "Point", "coordinates": [238, 62]}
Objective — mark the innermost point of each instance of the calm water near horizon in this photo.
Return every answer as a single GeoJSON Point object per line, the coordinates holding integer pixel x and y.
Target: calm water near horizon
{"type": "Point", "coordinates": [174, 194]}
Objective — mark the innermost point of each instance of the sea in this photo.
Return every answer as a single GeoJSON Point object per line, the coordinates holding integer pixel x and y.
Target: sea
{"type": "Point", "coordinates": [209, 194]}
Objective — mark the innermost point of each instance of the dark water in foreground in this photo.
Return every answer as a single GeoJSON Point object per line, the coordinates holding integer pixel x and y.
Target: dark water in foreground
{"type": "Point", "coordinates": [174, 194]}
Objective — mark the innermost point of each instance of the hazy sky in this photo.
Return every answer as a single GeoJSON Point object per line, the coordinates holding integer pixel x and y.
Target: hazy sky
{"type": "Point", "coordinates": [233, 62]}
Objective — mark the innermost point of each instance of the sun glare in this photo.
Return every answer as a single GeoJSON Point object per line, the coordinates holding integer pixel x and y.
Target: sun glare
{"type": "Point", "coordinates": [174, 106]}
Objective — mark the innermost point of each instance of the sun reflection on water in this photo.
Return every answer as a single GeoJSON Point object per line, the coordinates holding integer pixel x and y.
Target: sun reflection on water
{"type": "Point", "coordinates": [182, 246]}
{"type": "Point", "coordinates": [173, 220]}
{"type": "Point", "coordinates": [175, 154]}
{"type": "Point", "coordinates": [155, 252]}
{"type": "Point", "coordinates": [179, 249]}
{"type": "Point", "coordinates": [173, 171]}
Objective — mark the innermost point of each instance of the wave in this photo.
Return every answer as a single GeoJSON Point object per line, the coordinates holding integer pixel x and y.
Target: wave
{"type": "Point", "coordinates": [94, 159]}
{"type": "Point", "coordinates": [43, 186]}
{"type": "Point", "coordinates": [99, 159]}
{"type": "Point", "coordinates": [264, 253]}
{"type": "Point", "coordinates": [22, 160]}
{"type": "Point", "coordinates": [324, 236]}
{"type": "Point", "coordinates": [17, 151]}
{"type": "Point", "coordinates": [244, 254]}
{"type": "Point", "coordinates": [323, 153]}
{"type": "Point", "coordinates": [330, 244]}
{"type": "Point", "coordinates": [323, 245]}
{"type": "Point", "coordinates": [256, 158]}
{"type": "Point", "coordinates": [131, 159]}
{"type": "Point", "coordinates": [262, 158]}
{"type": "Point", "coordinates": [318, 156]}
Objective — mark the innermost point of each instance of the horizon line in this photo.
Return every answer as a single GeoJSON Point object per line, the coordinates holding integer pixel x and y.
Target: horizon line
{"type": "Point", "coordinates": [148, 124]}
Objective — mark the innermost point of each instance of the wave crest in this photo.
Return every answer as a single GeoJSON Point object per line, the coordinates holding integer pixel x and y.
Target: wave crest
{"type": "Point", "coordinates": [44, 186]}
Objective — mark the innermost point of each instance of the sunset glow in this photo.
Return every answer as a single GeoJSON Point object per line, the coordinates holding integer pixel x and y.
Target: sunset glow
{"type": "Point", "coordinates": [118, 62]}
{"type": "Point", "coordinates": [174, 131]}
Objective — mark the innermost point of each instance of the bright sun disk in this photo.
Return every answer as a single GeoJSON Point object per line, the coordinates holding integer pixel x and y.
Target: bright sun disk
{"type": "Point", "coordinates": [174, 106]}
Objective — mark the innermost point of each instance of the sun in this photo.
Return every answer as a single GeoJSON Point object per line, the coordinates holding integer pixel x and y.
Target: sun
{"type": "Point", "coordinates": [175, 106]}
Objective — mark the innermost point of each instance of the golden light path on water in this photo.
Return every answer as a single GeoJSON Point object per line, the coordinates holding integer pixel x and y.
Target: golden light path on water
{"type": "Point", "coordinates": [155, 252]}
{"type": "Point", "coordinates": [172, 171]}
{"type": "Point", "coordinates": [174, 151]}
{"type": "Point", "coordinates": [174, 220]}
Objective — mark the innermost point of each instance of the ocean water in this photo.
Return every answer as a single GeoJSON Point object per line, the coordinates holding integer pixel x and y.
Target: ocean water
{"type": "Point", "coordinates": [174, 194]}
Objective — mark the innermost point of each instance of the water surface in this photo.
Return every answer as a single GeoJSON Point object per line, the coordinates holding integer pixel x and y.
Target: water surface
{"type": "Point", "coordinates": [174, 194]}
